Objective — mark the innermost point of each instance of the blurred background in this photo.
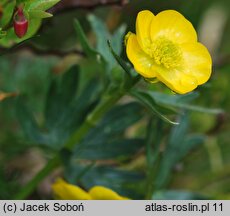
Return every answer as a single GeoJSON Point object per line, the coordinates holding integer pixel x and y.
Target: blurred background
{"type": "Point", "coordinates": [29, 68]}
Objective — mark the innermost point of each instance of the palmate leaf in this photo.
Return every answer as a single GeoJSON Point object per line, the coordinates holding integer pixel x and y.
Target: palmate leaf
{"type": "Point", "coordinates": [60, 94]}
{"type": "Point", "coordinates": [69, 111]}
{"type": "Point", "coordinates": [73, 115]}
{"type": "Point", "coordinates": [64, 112]}
{"type": "Point", "coordinates": [108, 140]}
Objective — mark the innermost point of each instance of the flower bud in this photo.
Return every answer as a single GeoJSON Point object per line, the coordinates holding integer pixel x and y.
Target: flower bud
{"type": "Point", "coordinates": [20, 23]}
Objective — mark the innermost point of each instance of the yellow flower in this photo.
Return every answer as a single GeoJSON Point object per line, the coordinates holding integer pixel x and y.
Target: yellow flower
{"type": "Point", "coordinates": [64, 191]}
{"type": "Point", "coordinates": [165, 47]}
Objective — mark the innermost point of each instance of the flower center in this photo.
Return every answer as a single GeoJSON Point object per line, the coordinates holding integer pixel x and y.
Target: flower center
{"type": "Point", "coordinates": [165, 52]}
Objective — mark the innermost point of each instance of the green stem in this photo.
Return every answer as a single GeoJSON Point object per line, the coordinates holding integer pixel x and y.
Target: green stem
{"type": "Point", "coordinates": [91, 121]}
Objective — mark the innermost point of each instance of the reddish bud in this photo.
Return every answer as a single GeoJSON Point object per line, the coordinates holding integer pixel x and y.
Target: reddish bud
{"type": "Point", "coordinates": [20, 23]}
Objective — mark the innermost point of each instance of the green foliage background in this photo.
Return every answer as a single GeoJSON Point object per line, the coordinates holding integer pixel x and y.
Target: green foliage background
{"type": "Point", "coordinates": [137, 148]}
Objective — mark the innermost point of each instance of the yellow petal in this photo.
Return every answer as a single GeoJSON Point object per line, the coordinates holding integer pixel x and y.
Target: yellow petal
{"type": "Point", "coordinates": [103, 193]}
{"type": "Point", "coordinates": [141, 61]}
{"type": "Point", "coordinates": [197, 60]}
{"type": "Point", "coordinates": [64, 191]}
{"type": "Point", "coordinates": [143, 24]}
{"type": "Point", "coordinates": [177, 80]}
{"type": "Point", "coordinates": [174, 26]}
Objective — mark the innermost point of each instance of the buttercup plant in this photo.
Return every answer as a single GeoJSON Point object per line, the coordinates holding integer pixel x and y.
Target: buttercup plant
{"type": "Point", "coordinates": [165, 47]}
{"type": "Point", "coordinates": [84, 126]}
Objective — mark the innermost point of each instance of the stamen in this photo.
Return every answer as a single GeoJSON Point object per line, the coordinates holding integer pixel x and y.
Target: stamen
{"type": "Point", "coordinates": [164, 52]}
